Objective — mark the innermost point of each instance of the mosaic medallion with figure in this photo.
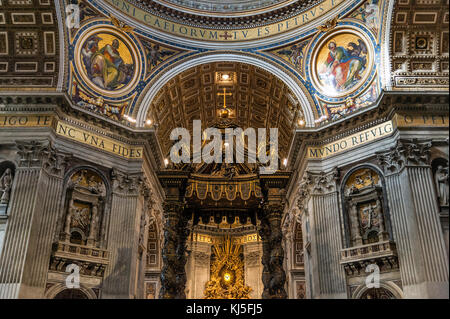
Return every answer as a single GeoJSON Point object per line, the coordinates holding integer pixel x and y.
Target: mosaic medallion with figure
{"type": "Point", "coordinates": [107, 61]}
{"type": "Point", "coordinates": [342, 63]}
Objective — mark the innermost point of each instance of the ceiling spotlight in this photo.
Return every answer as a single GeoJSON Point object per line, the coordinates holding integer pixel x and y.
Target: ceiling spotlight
{"type": "Point", "coordinates": [225, 77]}
{"type": "Point", "coordinates": [148, 122]}
{"type": "Point", "coordinates": [301, 122]}
{"type": "Point", "coordinates": [285, 162]}
{"type": "Point", "coordinates": [166, 162]}
{"type": "Point", "coordinates": [226, 144]}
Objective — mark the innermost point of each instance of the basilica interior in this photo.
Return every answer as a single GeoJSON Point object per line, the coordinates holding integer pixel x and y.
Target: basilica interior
{"type": "Point", "coordinates": [94, 204]}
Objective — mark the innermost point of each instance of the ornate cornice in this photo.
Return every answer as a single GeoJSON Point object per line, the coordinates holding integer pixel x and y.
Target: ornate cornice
{"type": "Point", "coordinates": [249, 19]}
{"type": "Point", "coordinates": [390, 102]}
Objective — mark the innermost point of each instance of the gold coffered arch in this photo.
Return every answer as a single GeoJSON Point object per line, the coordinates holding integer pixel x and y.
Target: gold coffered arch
{"type": "Point", "coordinates": [283, 95]}
{"type": "Point", "coordinates": [257, 99]}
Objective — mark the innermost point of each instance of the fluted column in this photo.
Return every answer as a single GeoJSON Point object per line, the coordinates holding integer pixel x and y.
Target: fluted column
{"type": "Point", "coordinates": [415, 219]}
{"type": "Point", "coordinates": [33, 214]}
{"type": "Point", "coordinates": [123, 240]}
{"type": "Point", "coordinates": [318, 194]}
{"type": "Point", "coordinates": [253, 268]}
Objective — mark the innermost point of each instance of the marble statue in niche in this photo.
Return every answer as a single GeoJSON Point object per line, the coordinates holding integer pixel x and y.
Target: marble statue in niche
{"type": "Point", "coordinates": [6, 181]}
{"type": "Point", "coordinates": [364, 205]}
{"type": "Point", "coordinates": [86, 194]}
{"type": "Point", "coordinates": [5, 186]}
{"type": "Point", "coordinates": [441, 179]}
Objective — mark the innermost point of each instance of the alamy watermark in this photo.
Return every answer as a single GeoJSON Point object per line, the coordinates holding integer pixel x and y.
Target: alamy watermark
{"type": "Point", "coordinates": [210, 146]}
{"type": "Point", "coordinates": [373, 279]}
{"type": "Point", "coordinates": [73, 279]}
{"type": "Point", "coordinates": [72, 16]}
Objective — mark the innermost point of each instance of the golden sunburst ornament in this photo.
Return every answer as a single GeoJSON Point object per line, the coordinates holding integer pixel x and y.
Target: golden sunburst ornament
{"type": "Point", "coordinates": [227, 272]}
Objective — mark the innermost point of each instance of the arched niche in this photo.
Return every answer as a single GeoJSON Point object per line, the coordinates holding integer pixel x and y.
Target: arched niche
{"type": "Point", "coordinates": [60, 291]}
{"type": "Point", "coordinates": [386, 290]}
{"type": "Point", "coordinates": [85, 207]}
{"type": "Point", "coordinates": [366, 217]}
{"type": "Point", "coordinates": [440, 175]}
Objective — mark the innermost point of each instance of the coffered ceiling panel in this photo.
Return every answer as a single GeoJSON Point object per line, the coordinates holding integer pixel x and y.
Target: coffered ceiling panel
{"type": "Point", "coordinates": [256, 99]}
{"type": "Point", "coordinates": [29, 44]}
{"type": "Point", "coordinates": [420, 45]}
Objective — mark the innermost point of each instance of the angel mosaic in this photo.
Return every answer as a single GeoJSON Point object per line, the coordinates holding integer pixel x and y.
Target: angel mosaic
{"type": "Point", "coordinates": [294, 54]}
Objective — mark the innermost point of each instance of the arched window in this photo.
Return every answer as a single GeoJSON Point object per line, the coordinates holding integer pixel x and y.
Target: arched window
{"type": "Point", "coordinates": [377, 293]}
{"type": "Point", "coordinates": [71, 294]}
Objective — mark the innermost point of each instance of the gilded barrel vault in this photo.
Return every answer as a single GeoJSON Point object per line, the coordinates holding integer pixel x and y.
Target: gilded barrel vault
{"type": "Point", "coordinates": [231, 149]}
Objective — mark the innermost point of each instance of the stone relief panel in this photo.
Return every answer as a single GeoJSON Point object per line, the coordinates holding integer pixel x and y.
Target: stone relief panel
{"type": "Point", "coordinates": [300, 289]}
{"type": "Point", "coordinates": [150, 290]}
{"type": "Point", "coordinates": [298, 246]}
{"type": "Point", "coordinates": [152, 246]}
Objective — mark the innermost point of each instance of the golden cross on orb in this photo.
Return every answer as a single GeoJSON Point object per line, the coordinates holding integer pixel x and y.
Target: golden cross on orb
{"type": "Point", "coordinates": [224, 94]}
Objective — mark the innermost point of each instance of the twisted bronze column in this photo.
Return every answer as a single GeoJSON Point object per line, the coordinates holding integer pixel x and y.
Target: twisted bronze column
{"type": "Point", "coordinates": [173, 274]}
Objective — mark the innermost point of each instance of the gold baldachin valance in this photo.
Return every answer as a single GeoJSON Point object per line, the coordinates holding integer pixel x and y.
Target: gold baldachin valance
{"type": "Point", "coordinates": [224, 190]}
